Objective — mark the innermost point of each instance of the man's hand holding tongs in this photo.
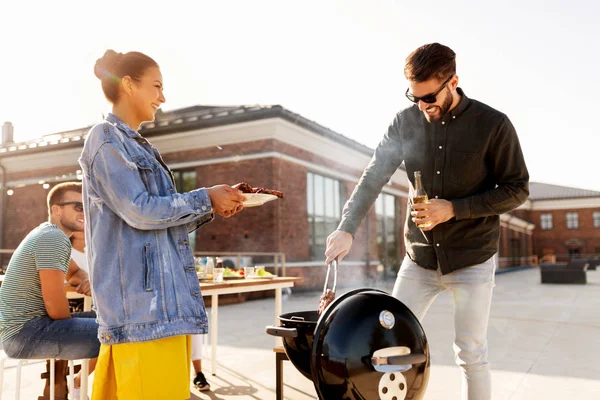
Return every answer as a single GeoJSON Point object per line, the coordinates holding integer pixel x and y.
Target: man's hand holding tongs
{"type": "Point", "coordinates": [338, 246]}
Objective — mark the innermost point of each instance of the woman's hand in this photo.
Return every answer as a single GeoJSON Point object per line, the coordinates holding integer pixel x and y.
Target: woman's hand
{"type": "Point", "coordinates": [226, 201]}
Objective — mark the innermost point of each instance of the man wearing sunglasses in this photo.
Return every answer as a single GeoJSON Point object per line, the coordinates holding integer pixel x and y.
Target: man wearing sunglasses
{"type": "Point", "coordinates": [473, 170]}
{"type": "Point", "coordinates": [35, 319]}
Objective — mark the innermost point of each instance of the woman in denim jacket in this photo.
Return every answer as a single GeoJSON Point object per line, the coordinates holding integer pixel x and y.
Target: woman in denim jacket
{"type": "Point", "coordinates": [145, 288]}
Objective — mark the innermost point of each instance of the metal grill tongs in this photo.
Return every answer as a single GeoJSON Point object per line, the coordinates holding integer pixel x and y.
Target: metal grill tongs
{"type": "Point", "coordinates": [328, 294]}
{"type": "Point", "coordinates": [334, 263]}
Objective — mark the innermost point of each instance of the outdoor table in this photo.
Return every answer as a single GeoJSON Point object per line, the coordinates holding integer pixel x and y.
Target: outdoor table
{"type": "Point", "coordinates": [71, 293]}
{"type": "Point", "coordinates": [214, 289]}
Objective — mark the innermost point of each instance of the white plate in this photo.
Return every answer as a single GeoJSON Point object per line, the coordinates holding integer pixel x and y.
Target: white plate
{"type": "Point", "coordinates": [257, 199]}
{"type": "Point", "coordinates": [264, 277]}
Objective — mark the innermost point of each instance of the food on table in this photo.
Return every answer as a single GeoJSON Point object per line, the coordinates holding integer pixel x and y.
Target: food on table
{"type": "Point", "coordinates": [232, 273]}
{"type": "Point", "coordinates": [262, 272]}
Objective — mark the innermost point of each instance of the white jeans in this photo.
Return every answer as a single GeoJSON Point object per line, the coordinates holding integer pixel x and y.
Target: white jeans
{"type": "Point", "coordinates": [471, 290]}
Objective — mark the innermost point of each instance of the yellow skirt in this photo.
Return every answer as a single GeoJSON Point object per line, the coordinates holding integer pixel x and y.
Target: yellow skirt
{"type": "Point", "coordinates": [159, 369]}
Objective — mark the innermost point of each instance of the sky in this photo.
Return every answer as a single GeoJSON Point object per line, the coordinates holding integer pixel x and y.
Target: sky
{"type": "Point", "coordinates": [339, 63]}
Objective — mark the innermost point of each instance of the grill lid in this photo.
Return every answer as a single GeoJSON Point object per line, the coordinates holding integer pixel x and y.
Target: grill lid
{"type": "Point", "coordinates": [369, 345]}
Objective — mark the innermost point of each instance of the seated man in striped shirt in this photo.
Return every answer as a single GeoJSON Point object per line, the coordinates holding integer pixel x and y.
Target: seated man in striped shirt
{"type": "Point", "coordinates": [35, 319]}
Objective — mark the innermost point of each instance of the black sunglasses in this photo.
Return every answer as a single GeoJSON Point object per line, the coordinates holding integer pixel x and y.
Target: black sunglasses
{"type": "Point", "coordinates": [78, 205]}
{"type": "Point", "coordinates": [429, 98]}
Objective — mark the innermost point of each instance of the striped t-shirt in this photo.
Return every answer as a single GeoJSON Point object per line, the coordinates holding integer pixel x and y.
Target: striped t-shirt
{"type": "Point", "coordinates": [46, 247]}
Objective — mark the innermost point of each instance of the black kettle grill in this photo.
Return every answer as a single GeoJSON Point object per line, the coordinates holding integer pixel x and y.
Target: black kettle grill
{"type": "Point", "coordinates": [366, 345]}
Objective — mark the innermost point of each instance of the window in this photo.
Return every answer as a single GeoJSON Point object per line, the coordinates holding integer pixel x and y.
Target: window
{"type": "Point", "coordinates": [387, 232]}
{"type": "Point", "coordinates": [184, 182]}
{"type": "Point", "coordinates": [596, 217]}
{"type": "Point", "coordinates": [572, 221]}
{"type": "Point", "coordinates": [546, 222]}
{"type": "Point", "coordinates": [324, 206]}
{"type": "Point", "coordinates": [574, 253]}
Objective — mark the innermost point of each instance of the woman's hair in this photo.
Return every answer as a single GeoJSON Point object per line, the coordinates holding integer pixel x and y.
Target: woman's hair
{"type": "Point", "coordinates": [432, 60]}
{"type": "Point", "coordinates": [113, 66]}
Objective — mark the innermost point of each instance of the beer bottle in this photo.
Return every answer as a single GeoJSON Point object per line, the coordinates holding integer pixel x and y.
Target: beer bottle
{"type": "Point", "coordinates": [420, 196]}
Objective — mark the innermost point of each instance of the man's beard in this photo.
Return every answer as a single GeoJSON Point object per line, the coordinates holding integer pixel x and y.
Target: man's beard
{"type": "Point", "coordinates": [443, 108]}
{"type": "Point", "coordinates": [72, 226]}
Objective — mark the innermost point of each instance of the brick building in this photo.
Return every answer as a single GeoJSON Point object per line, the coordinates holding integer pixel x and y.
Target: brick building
{"type": "Point", "coordinates": [567, 220]}
{"type": "Point", "coordinates": [267, 146]}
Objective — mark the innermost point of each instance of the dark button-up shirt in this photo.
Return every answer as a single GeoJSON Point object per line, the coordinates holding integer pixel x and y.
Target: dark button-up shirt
{"type": "Point", "coordinates": [472, 157]}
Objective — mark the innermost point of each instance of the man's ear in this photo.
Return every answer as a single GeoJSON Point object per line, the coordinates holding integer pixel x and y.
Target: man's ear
{"type": "Point", "coordinates": [55, 210]}
{"type": "Point", "coordinates": [454, 82]}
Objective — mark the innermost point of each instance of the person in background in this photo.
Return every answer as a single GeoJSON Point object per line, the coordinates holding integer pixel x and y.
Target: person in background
{"type": "Point", "coordinates": [78, 251]}
{"type": "Point", "coordinates": [78, 261]}
{"type": "Point", "coordinates": [35, 319]}
{"type": "Point", "coordinates": [199, 379]}
{"type": "Point", "coordinates": [145, 288]}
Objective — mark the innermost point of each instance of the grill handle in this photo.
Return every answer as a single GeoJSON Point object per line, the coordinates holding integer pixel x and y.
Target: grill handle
{"type": "Point", "coordinates": [282, 332]}
{"type": "Point", "coordinates": [409, 359]}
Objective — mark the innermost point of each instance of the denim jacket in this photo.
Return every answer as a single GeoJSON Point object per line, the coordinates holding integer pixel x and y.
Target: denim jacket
{"type": "Point", "coordinates": [144, 283]}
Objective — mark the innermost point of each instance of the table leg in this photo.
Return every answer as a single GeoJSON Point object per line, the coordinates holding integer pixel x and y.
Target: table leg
{"type": "Point", "coordinates": [214, 305]}
{"type": "Point", "coordinates": [278, 312]}
{"type": "Point", "coordinates": [87, 303]}
{"type": "Point", "coordinates": [71, 376]}
{"type": "Point", "coordinates": [85, 372]}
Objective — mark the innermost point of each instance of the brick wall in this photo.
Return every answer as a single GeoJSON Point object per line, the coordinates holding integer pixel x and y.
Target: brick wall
{"type": "Point", "coordinates": [556, 239]}
{"type": "Point", "coordinates": [253, 230]}
{"type": "Point", "coordinates": [230, 150]}
{"type": "Point", "coordinates": [26, 210]}
{"type": "Point", "coordinates": [291, 216]}
{"type": "Point", "coordinates": [313, 158]}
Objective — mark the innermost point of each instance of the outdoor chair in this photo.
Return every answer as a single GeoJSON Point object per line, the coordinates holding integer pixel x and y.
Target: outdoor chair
{"type": "Point", "coordinates": [572, 272]}
{"type": "Point", "coordinates": [50, 389]}
{"type": "Point", "coordinates": [3, 359]}
{"type": "Point", "coordinates": [594, 262]}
